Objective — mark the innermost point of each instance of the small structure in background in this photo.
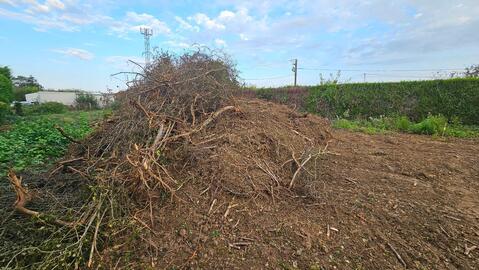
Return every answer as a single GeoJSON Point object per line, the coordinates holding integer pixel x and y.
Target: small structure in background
{"type": "Point", "coordinates": [67, 97]}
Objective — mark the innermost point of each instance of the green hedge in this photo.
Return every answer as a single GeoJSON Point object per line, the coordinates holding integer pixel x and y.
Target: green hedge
{"type": "Point", "coordinates": [454, 98]}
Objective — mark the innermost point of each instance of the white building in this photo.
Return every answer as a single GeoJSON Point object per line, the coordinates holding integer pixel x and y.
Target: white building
{"type": "Point", "coordinates": [65, 97]}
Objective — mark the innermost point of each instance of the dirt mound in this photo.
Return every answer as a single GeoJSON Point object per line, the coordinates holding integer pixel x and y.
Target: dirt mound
{"type": "Point", "coordinates": [258, 149]}
{"type": "Point", "coordinates": [243, 162]}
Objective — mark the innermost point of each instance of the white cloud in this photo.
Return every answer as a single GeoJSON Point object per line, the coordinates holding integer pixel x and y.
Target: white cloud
{"type": "Point", "coordinates": [68, 15]}
{"type": "Point", "coordinates": [55, 4]}
{"type": "Point", "coordinates": [185, 25]}
{"type": "Point", "coordinates": [38, 8]}
{"type": "Point", "coordinates": [77, 53]}
{"type": "Point", "coordinates": [203, 20]}
{"type": "Point", "coordinates": [49, 5]}
{"type": "Point", "coordinates": [177, 44]}
{"type": "Point", "coordinates": [225, 18]}
{"type": "Point", "coordinates": [220, 42]}
{"type": "Point", "coordinates": [8, 2]}
{"type": "Point", "coordinates": [243, 37]}
{"type": "Point", "coordinates": [41, 23]}
{"type": "Point", "coordinates": [226, 15]}
{"type": "Point", "coordinates": [133, 22]}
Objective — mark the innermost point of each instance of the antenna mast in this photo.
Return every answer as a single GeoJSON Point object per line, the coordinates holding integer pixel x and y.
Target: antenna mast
{"type": "Point", "coordinates": [147, 33]}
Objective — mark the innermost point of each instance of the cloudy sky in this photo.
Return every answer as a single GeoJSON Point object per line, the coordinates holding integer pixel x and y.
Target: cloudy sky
{"type": "Point", "coordinates": [79, 44]}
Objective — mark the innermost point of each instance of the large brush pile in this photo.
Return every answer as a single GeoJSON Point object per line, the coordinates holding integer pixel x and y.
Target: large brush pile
{"type": "Point", "coordinates": [181, 119]}
{"type": "Point", "coordinates": [181, 148]}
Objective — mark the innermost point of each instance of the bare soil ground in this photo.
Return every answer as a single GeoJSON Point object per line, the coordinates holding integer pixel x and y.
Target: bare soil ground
{"type": "Point", "coordinates": [368, 202]}
{"type": "Point", "coordinates": [381, 202]}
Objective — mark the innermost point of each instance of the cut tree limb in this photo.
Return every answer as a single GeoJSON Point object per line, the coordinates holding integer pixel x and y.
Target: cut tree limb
{"type": "Point", "coordinates": [23, 197]}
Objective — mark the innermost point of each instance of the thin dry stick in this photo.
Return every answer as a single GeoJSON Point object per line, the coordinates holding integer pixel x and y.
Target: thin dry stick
{"type": "Point", "coordinates": [398, 256]}
{"type": "Point", "coordinates": [299, 169]}
{"type": "Point", "coordinates": [95, 236]}
{"type": "Point", "coordinates": [211, 207]}
{"type": "Point", "coordinates": [193, 117]}
{"type": "Point", "coordinates": [230, 206]}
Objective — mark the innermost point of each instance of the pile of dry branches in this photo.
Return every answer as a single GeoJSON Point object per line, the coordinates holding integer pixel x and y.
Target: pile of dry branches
{"type": "Point", "coordinates": [179, 120]}
{"type": "Point", "coordinates": [174, 98]}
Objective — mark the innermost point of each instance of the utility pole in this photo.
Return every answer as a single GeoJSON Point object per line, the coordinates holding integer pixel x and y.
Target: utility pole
{"type": "Point", "coordinates": [364, 77]}
{"type": "Point", "coordinates": [147, 33]}
{"type": "Point", "coordinates": [295, 70]}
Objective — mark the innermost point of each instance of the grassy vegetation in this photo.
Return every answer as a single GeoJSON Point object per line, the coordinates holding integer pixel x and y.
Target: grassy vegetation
{"type": "Point", "coordinates": [33, 140]}
{"type": "Point", "coordinates": [432, 125]}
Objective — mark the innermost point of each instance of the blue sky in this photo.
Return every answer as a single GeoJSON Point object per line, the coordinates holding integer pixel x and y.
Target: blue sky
{"type": "Point", "coordinates": [79, 44]}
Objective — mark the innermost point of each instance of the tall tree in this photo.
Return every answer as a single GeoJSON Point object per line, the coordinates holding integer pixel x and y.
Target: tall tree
{"type": "Point", "coordinates": [5, 71]}
{"type": "Point", "coordinates": [23, 81]}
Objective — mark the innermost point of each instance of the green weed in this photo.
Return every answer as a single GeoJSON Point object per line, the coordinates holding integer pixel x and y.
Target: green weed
{"type": "Point", "coordinates": [33, 141]}
{"type": "Point", "coordinates": [432, 125]}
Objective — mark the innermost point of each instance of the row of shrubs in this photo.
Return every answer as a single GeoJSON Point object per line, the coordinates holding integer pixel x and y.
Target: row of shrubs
{"type": "Point", "coordinates": [453, 98]}
{"type": "Point", "coordinates": [36, 109]}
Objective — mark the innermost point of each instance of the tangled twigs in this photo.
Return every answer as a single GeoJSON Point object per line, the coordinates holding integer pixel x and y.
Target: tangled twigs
{"type": "Point", "coordinates": [303, 163]}
{"type": "Point", "coordinates": [23, 197]}
{"type": "Point", "coordinates": [204, 124]}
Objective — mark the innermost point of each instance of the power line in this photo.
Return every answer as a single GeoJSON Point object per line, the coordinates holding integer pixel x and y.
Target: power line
{"type": "Point", "coordinates": [364, 72]}
{"type": "Point", "coordinates": [270, 78]}
{"type": "Point", "coordinates": [398, 76]}
{"type": "Point", "coordinates": [383, 70]}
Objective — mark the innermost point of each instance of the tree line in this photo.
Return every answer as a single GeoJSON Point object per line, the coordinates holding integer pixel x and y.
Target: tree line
{"type": "Point", "coordinates": [15, 88]}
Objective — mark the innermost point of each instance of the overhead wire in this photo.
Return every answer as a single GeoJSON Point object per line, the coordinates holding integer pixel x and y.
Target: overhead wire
{"type": "Point", "coordinates": [270, 78]}
{"type": "Point", "coordinates": [363, 72]}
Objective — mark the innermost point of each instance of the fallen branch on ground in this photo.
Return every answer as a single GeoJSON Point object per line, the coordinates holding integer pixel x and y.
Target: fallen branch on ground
{"type": "Point", "coordinates": [23, 197]}
{"type": "Point", "coordinates": [398, 256]}
{"type": "Point", "coordinates": [64, 134]}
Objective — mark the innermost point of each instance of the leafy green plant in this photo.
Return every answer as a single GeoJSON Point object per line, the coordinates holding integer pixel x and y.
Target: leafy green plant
{"type": "Point", "coordinates": [34, 140]}
{"type": "Point", "coordinates": [46, 108]}
{"type": "Point", "coordinates": [4, 111]}
{"type": "Point", "coordinates": [402, 123]}
{"type": "Point", "coordinates": [432, 125]}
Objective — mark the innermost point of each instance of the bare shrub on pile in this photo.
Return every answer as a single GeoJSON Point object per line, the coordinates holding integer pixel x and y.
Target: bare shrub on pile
{"type": "Point", "coordinates": [174, 98]}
